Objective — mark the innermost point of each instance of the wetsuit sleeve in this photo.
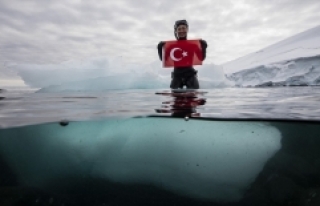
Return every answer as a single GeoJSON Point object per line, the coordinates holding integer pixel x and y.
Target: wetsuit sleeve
{"type": "Point", "coordinates": [160, 46]}
{"type": "Point", "coordinates": [198, 52]}
{"type": "Point", "coordinates": [204, 46]}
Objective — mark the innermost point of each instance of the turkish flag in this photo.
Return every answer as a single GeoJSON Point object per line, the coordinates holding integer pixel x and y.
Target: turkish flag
{"type": "Point", "coordinates": [182, 53]}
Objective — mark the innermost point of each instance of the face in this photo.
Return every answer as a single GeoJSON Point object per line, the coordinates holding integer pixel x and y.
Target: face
{"type": "Point", "coordinates": [182, 31]}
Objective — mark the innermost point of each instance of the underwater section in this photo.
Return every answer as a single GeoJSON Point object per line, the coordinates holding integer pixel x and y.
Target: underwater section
{"type": "Point", "coordinates": [159, 161]}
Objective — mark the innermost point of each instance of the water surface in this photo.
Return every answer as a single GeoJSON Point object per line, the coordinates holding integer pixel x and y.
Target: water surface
{"type": "Point", "coordinates": [295, 103]}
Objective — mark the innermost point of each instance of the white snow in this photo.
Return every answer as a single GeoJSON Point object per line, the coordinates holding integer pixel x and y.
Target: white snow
{"type": "Point", "coordinates": [305, 44]}
{"type": "Point", "coordinates": [294, 61]}
{"type": "Point", "coordinates": [297, 72]}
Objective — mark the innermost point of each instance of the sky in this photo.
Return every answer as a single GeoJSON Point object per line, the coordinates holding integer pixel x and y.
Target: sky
{"type": "Point", "coordinates": [54, 31]}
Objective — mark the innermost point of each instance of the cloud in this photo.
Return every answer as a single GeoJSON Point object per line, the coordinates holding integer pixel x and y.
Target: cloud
{"type": "Point", "coordinates": [54, 31]}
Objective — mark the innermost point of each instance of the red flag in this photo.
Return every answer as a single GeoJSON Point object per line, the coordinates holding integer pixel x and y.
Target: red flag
{"type": "Point", "coordinates": [182, 53]}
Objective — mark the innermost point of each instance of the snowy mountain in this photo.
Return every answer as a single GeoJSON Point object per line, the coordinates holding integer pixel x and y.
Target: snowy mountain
{"type": "Point", "coordinates": [294, 61]}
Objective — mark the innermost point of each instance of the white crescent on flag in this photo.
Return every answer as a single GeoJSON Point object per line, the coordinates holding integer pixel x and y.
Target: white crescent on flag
{"type": "Point", "coordinates": [172, 54]}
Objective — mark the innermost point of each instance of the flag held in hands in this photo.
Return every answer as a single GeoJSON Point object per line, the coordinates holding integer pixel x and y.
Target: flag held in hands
{"type": "Point", "coordinates": [182, 53]}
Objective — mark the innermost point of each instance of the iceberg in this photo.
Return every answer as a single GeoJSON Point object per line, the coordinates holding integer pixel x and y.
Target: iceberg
{"type": "Point", "coordinates": [102, 73]}
{"type": "Point", "coordinates": [183, 157]}
{"type": "Point", "coordinates": [292, 62]}
{"type": "Point", "coordinates": [303, 71]}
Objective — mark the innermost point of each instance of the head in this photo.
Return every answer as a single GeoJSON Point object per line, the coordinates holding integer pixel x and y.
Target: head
{"type": "Point", "coordinates": [181, 29]}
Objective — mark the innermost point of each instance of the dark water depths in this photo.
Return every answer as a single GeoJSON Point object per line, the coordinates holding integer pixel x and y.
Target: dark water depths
{"type": "Point", "coordinates": [237, 147]}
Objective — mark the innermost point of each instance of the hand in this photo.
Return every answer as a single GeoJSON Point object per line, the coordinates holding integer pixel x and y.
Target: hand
{"type": "Point", "coordinates": [161, 44]}
{"type": "Point", "coordinates": [203, 43]}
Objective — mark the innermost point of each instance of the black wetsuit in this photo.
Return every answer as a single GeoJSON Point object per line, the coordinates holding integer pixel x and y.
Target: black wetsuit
{"type": "Point", "coordinates": [184, 76]}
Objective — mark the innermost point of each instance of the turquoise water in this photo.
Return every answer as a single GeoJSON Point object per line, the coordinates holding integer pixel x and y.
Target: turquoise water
{"type": "Point", "coordinates": [233, 146]}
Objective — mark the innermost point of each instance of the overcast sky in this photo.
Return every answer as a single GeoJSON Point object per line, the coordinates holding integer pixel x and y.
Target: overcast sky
{"type": "Point", "coordinates": [53, 31]}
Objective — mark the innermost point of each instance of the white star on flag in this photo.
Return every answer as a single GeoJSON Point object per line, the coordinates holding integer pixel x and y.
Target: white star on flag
{"type": "Point", "coordinates": [184, 54]}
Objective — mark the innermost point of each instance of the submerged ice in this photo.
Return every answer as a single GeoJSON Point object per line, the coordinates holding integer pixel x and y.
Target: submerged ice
{"type": "Point", "coordinates": [202, 159]}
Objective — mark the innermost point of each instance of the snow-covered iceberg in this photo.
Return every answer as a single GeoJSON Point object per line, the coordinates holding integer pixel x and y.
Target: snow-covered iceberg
{"type": "Point", "coordinates": [303, 71]}
{"type": "Point", "coordinates": [294, 61]}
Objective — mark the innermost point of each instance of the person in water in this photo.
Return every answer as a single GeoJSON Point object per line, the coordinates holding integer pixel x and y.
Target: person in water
{"type": "Point", "coordinates": [183, 76]}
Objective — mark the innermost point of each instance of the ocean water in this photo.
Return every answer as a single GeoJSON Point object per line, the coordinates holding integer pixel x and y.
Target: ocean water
{"type": "Point", "coordinates": [224, 146]}
{"type": "Point", "coordinates": [20, 107]}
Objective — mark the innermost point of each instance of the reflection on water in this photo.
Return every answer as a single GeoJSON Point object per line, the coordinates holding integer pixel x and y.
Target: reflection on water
{"type": "Point", "coordinates": [183, 103]}
{"type": "Point", "coordinates": [1, 91]}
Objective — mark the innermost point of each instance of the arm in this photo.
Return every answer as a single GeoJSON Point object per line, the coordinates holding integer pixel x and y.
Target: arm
{"type": "Point", "coordinates": [160, 46]}
{"type": "Point", "coordinates": [204, 46]}
{"type": "Point", "coordinates": [198, 52]}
